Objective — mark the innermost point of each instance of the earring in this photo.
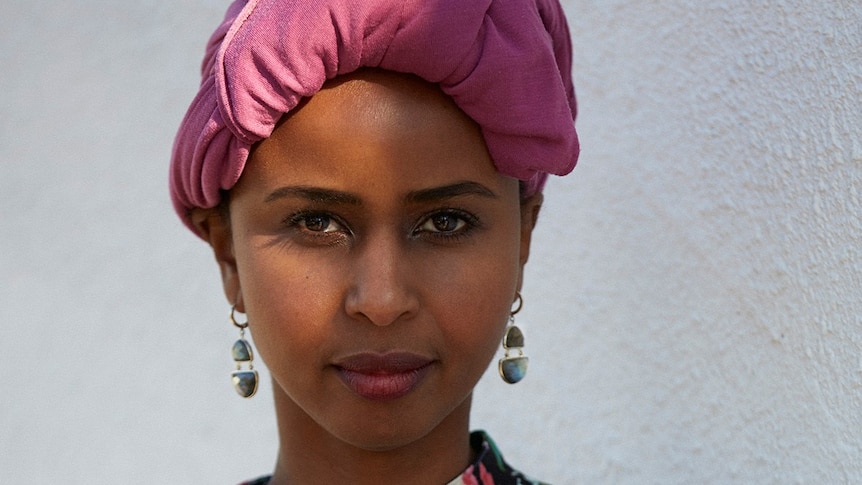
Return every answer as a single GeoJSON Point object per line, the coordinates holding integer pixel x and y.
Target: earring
{"type": "Point", "coordinates": [244, 381]}
{"type": "Point", "coordinates": [513, 369]}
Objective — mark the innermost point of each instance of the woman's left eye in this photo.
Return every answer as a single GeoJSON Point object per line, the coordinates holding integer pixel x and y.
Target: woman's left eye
{"type": "Point", "coordinates": [445, 223]}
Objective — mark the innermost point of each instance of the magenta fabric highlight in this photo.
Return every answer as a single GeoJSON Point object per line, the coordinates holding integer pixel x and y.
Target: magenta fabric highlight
{"type": "Point", "coordinates": [505, 63]}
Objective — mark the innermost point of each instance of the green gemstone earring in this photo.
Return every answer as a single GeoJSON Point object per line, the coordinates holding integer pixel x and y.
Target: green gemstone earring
{"type": "Point", "coordinates": [244, 381]}
{"type": "Point", "coordinates": [513, 369]}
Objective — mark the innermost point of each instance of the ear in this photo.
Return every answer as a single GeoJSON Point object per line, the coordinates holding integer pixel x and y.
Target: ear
{"type": "Point", "coordinates": [530, 208]}
{"type": "Point", "coordinates": [214, 227]}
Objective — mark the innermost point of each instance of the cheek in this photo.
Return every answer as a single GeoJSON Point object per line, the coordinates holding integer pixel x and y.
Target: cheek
{"type": "Point", "coordinates": [290, 302]}
{"type": "Point", "coordinates": [295, 302]}
{"type": "Point", "coordinates": [471, 302]}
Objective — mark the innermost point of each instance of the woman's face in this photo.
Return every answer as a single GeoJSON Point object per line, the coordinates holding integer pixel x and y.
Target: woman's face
{"type": "Point", "coordinates": [377, 252]}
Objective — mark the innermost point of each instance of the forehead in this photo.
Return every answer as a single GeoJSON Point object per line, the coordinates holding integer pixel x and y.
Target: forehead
{"type": "Point", "coordinates": [374, 129]}
{"type": "Point", "coordinates": [381, 103]}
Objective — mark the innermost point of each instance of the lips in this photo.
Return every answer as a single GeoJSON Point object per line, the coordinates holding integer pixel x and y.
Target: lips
{"type": "Point", "coordinates": [383, 377]}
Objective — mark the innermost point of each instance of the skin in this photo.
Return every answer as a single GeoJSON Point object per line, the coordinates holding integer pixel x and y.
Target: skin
{"type": "Point", "coordinates": [373, 220]}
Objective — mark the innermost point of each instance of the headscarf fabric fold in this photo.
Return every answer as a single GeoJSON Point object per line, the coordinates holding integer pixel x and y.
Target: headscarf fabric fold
{"type": "Point", "coordinates": [505, 63]}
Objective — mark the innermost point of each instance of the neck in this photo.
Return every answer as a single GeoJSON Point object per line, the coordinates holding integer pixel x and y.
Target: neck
{"type": "Point", "coordinates": [311, 454]}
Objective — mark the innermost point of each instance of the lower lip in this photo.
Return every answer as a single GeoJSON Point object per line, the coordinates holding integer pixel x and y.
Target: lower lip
{"type": "Point", "coordinates": [383, 386]}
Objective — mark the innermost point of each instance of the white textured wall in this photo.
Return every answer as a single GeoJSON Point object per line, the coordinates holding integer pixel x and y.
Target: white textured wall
{"type": "Point", "coordinates": [693, 307]}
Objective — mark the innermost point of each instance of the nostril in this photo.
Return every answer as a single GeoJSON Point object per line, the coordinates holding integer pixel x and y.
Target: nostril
{"type": "Point", "coordinates": [381, 308]}
{"type": "Point", "coordinates": [381, 298]}
{"type": "Point", "coordinates": [380, 291]}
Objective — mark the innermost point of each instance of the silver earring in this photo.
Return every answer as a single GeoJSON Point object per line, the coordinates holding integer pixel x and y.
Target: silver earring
{"type": "Point", "coordinates": [513, 369]}
{"type": "Point", "coordinates": [244, 381]}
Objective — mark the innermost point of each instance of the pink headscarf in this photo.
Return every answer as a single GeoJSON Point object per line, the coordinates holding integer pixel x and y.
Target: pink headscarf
{"type": "Point", "coordinates": [505, 63]}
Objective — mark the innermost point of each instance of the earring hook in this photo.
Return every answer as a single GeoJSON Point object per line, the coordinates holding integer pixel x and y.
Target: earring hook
{"type": "Point", "coordinates": [240, 326]}
{"type": "Point", "coordinates": [520, 301]}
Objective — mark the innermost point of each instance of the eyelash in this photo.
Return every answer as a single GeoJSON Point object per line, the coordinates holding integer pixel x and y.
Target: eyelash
{"type": "Point", "coordinates": [299, 220]}
{"type": "Point", "coordinates": [465, 221]}
{"type": "Point", "coordinates": [470, 223]}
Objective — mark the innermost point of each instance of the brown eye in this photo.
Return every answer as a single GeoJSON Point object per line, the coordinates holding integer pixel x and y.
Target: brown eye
{"type": "Point", "coordinates": [317, 229]}
{"type": "Point", "coordinates": [443, 222]}
{"type": "Point", "coordinates": [317, 223]}
{"type": "Point", "coordinates": [447, 222]}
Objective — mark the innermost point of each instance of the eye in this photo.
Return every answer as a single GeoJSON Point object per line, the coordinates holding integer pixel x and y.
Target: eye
{"type": "Point", "coordinates": [447, 223]}
{"type": "Point", "coordinates": [443, 222]}
{"type": "Point", "coordinates": [317, 223]}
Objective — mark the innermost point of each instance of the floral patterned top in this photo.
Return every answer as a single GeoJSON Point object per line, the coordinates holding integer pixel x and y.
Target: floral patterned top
{"type": "Point", "coordinates": [489, 468]}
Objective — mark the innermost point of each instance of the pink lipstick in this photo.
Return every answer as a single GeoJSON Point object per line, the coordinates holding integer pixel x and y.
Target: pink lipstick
{"type": "Point", "coordinates": [383, 377]}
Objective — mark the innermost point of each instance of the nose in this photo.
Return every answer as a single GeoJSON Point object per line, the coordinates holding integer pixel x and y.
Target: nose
{"type": "Point", "coordinates": [382, 289]}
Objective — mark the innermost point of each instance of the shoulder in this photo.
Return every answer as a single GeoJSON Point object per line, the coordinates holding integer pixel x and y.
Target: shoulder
{"type": "Point", "coordinates": [490, 468]}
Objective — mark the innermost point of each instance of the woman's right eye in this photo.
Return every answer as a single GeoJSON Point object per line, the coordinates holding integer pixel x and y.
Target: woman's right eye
{"type": "Point", "coordinates": [317, 225]}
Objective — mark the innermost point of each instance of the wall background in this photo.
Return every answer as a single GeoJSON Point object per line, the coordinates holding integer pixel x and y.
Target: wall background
{"type": "Point", "coordinates": [693, 306]}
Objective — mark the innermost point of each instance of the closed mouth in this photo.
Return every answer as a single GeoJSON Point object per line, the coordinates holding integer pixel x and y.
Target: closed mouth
{"type": "Point", "coordinates": [382, 377]}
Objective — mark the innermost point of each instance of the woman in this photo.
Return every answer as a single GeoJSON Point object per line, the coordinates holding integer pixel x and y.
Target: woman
{"type": "Point", "coordinates": [368, 175]}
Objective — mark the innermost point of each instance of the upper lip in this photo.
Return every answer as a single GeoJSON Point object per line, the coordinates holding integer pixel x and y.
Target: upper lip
{"type": "Point", "coordinates": [388, 363]}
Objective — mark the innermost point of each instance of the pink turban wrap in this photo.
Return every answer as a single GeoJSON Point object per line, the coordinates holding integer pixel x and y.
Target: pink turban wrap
{"type": "Point", "coordinates": [505, 63]}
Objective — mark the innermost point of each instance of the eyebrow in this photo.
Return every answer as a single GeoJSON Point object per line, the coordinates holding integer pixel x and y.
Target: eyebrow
{"type": "Point", "coordinates": [314, 194]}
{"type": "Point", "coordinates": [317, 194]}
{"type": "Point", "coordinates": [449, 191]}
